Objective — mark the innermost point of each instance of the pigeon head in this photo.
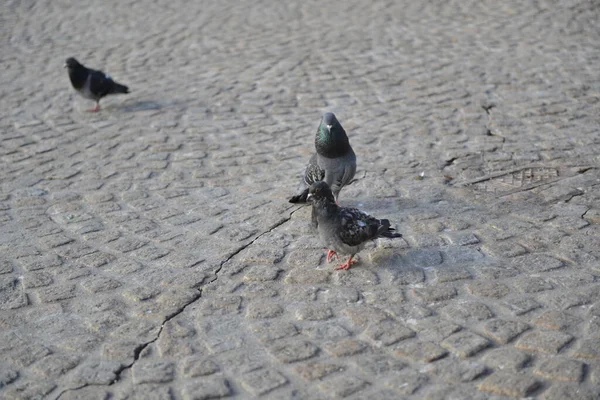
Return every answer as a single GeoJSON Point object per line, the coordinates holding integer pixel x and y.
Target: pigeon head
{"type": "Point", "coordinates": [319, 191]}
{"type": "Point", "coordinates": [72, 63]}
{"type": "Point", "coordinates": [329, 121]}
{"type": "Point", "coordinates": [331, 140]}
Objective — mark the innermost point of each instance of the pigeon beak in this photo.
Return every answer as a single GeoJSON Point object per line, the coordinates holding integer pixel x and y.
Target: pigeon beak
{"type": "Point", "coordinates": [329, 127]}
{"type": "Point", "coordinates": [309, 197]}
{"type": "Point", "coordinates": [65, 65]}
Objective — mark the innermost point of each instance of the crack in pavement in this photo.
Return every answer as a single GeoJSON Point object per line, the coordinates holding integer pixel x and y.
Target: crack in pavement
{"type": "Point", "coordinates": [576, 194]}
{"type": "Point", "coordinates": [586, 211]}
{"type": "Point", "coordinates": [140, 348]}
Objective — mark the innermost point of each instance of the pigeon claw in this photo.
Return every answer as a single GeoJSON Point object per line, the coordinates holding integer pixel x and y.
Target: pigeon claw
{"type": "Point", "coordinates": [346, 265]}
{"type": "Point", "coordinates": [95, 109]}
{"type": "Point", "coordinates": [330, 255]}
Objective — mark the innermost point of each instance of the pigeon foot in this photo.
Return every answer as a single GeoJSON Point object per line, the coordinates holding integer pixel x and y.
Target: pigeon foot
{"type": "Point", "coordinates": [346, 265]}
{"type": "Point", "coordinates": [330, 255]}
{"type": "Point", "coordinates": [95, 109]}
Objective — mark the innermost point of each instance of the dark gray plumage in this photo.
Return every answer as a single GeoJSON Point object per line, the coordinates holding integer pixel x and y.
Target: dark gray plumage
{"type": "Point", "coordinates": [344, 230]}
{"type": "Point", "coordinates": [92, 84]}
{"type": "Point", "coordinates": [334, 161]}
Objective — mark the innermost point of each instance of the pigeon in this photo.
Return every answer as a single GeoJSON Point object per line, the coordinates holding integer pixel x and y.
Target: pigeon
{"type": "Point", "coordinates": [92, 84]}
{"type": "Point", "coordinates": [334, 162]}
{"type": "Point", "coordinates": [344, 230]}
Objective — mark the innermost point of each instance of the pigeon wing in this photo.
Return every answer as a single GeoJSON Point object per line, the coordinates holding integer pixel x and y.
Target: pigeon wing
{"type": "Point", "coordinates": [313, 172]}
{"type": "Point", "coordinates": [101, 84]}
{"type": "Point", "coordinates": [356, 226]}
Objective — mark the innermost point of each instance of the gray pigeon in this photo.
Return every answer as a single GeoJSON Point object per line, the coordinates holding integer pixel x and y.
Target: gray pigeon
{"type": "Point", "coordinates": [92, 84]}
{"type": "Point", "coordinates": [334, 162]}
{"type": "Point", "coordinates": [344, 230]}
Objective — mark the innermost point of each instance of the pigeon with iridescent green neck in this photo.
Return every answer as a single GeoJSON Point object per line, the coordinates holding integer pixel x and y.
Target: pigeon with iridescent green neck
{"type": "Point", "coordinates": [334, 162]}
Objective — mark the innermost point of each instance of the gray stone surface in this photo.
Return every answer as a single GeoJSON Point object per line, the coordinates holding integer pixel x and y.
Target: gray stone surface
{"type": "Point", "coordinates": [149, 252]}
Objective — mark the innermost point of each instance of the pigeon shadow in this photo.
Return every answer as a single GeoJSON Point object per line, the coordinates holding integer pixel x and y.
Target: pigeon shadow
{"type": "Point", "coordinates": [144, 105]}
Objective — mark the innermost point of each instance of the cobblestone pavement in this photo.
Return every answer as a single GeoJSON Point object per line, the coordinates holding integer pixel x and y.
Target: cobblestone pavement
{"type": "Point", "coordinates": [149, 251]}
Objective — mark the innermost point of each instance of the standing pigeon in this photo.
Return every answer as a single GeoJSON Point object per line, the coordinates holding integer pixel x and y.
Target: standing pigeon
{"type": "Point", "coordinates": [92, 84]}
{"type": "Point", "coordinates": [344, 230]}
{"type": "Point", "coordinates": [334, 162]}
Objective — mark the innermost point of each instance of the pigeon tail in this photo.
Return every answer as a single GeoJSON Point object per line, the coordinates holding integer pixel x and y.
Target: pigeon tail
{"type": "Point", "coordinates": [118, 88]}
{"type": "Point", "coordinates": [300, 198]}
{"type": "Point", "coordinates": [385, 230]}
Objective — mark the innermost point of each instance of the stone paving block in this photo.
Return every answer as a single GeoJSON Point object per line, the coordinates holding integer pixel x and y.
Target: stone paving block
{"type": "Point", "coordinates": [119, 350]}
{"type": "Point", "coordinates": [208, 388]}
{"type": "Point", "coordinates": [289, 352]}
{"type": "Point", "coordinates": [461, 238]}
{"type": "Point", "coordinates": [355, 278]}
{"type": "Point", "coordinates": [221, 305]}
{"type": "Point", "coordinates": [504, 331]}
{"type": "Point", "coordinates": [146, 371]}
{"type": "Point", "coordinates": [450, 369]}
{"type": "Point", "coordinates": [96, 284]}
{"type": "Point", "coordinates": [509, 384]}
{"type": "Point", "coordinates": [466, 311]}
{"type": "Point", "coordinates": [6, 267]}
{"type": "Point", "coordinates": [28, 388]}
{"type": "Point", "coordinates": [89, 392]}
{"type": "Point", "coordinates": [195, 366]}
{"type": "Point", "coordinates": [317, 370]}
{"type": "Point", "coordinates": [504, 249]}
{"type": "Point", "coordinates": [12, 294]}
{"type": "Point", "coordinates": [343, 386]}
{"type": "Point", "coordinates": [381, 295]}
{"type": "Point", "coordinates": [451, 274]}
{"type": "Point", "coordinates": [533, 285]}
{"type": "Point", "coordinates": [242, 359]}
{"type": "Point", "coordinates": [327, 331]}
{"type": "Point", "coordinates": [379, 365]}
{"type": "Point", "coordinates": [434, 293]}
{"type": "Point", "coordinates": [307, 276]}
{"type": "Point", "coordinates": [560, 369]}
{"type": "Point", "coordinates": [37, 279]}
{"type": "Point", "coordinates": [408, 276]}
{"type": "Point", "coordinates": [341, 295]}
{"type": "Point", "coordinates": [488, 289]}
{"type": "Point", "coordinates": [28, 354]}
{"type": "Point", "coordinates": [56, 292]}
{"type": "Point", "coordinates": [558, 320]}
{"type": "Point", "coordinates": [258, 310]}
{"type": "Point", "coordinates": [520, 306]}
{"type": "Point", "coordinates": [7, 375]}
{"type": "Point", "coordinates": [506, 359]}
{"type": "Point", "coordinates": [407, 382]}
{"type": "Point", "coordinates": [420, 351]}
{"type": "Point", "coordinates": [562, 391]}
{"type": "Point", "coordinates": [267, 331]}
{"type": "Point", "coordinates": [262, 381]}
{"type": "Point", "coordinates": [388, 332]}
{"type": "Point", "coordinates": [55, 365]}
{"type": "Point", "coordinates": [549, 342]}
{"type": "Point", "coordinates": [314, 312]}
{"type": "Point", "coordinates": [408, 311]}
{"type": "Point", "coordinates": [592, 327]}
{"type": "Point", "coordinates": [345, 347]}
{"type": "Point", "coordinates": [492, 272]}
{"type": "Point", "coordinates": [587, 349]}
{"type": "Point", "coordinates": [96, 372]}
{"type": "Point", "coordinates": [464, 343]}
{"type": "Point", "coordinates": [535, 263]}
{"type": "Point", "coordinates": [261, 273]}
{"type": "Point", "coordinates": [362, 316]}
